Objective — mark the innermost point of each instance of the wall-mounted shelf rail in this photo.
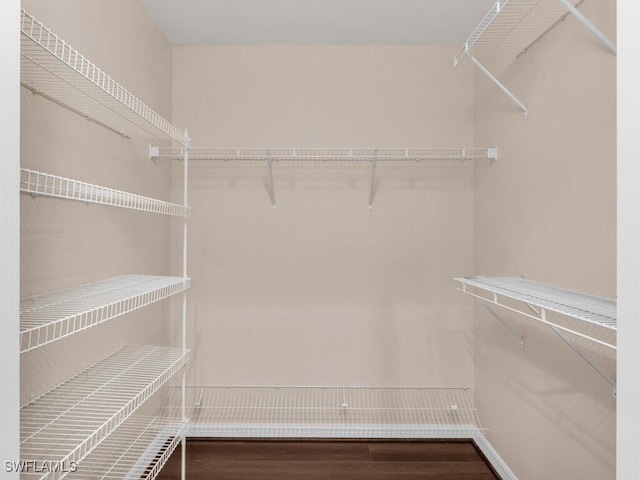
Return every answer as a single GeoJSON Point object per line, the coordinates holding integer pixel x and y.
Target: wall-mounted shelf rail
{"type": "Point", "coordinates": [137, 449]}
{"type": "Point", "coordinates": [52, 68]}
{"type": "Point", "coordinates": [367, 154]}
{"type": "Point", "coordinates": [52, 316]}
{"type": "Point", "coordinates": [590, 317]}
{"type": "Point", "coordinates": [373, 156]}
{"type": "Point", "coordinates": [511, 26]}
{"type": "Point", "coordinates": [39, 183]}
{"type": "Point", "coordinates": [336, 412]}
{"type": "Point", "coordinates": [68, 422]}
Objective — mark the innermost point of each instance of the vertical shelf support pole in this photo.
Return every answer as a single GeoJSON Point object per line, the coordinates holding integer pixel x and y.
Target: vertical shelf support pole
{"type": "Point", "coordinates": [500, 85]}
{"type": "Point", "coordinates": [592, 28]}
{"type": "Point", "coordinates": [272, 192]}
{"type": "Point", "coordinates": [183, 448]}
{"type": "Point", "coordinates": [372, 191]}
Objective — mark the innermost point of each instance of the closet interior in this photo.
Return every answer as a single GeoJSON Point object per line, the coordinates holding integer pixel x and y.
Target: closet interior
{"type": "Point", "coordinates": [176, 287]}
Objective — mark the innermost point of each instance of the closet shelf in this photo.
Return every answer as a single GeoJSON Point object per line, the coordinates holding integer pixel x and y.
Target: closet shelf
{"type": "Point", "coordinates": [139, 448]}
{"type": "Point", "coordinates": [329, 412]}
{"type": "Point", "coordinates": [50, 67]}
{"type": "Point", "coordinates": [328, 154]}
{"type": "Point", "coordinates": [68, 422]}
{"type": "Point", "coordinates": [511, 26]}
{"type": "Point", "coordinates": [39, 183]}
{"type": "Point", "coordinates": [52, 316]}
{"type": "Point", "coordinates": [588, 310]}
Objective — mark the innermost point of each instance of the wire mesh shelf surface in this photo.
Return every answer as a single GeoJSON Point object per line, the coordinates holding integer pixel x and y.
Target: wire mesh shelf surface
{"type": "Point", "coordinates": [49, 317]}
{"type": "Point", "coordinates": [338, 412]}
{"type": "Point", "coordinates": [68, 422]}
{"type": "Point", "coordinates": [511, 26]}
{"type": "Point", "coordinates": [53, 68]}
{"type": "Point", "coordinates": [39, 183]}
{"type": "Point", "coordinates": [590, 317]}
{"type": "Point", "coordinates": [582, 306]}
{"type": "Point", "coordinates": [137, 449]}
{"type": "Point", "coordinates": [332, 154]}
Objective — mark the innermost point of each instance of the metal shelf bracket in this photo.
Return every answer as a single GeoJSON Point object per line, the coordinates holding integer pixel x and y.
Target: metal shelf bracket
{"type": "Point", "coordinates": [590, 26]}
{"type": "Point", "coordinates": [500, 85]}
{"type": "Point", "coordinates": [542, 314]}
{"type": "Point", "coordinates": [372, 191]}
{"type": "Point", "coordinates": [272, 193]}
{"type": "Point", "coordinates": [154, 152]}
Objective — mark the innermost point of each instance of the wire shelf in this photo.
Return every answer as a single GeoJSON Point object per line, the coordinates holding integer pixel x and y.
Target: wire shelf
{"type": "Point", "coordinates": [67, 423]}
{"type": "Point", "coordinates": [138, 449]}
{"type": "Point", "coordinates": [52, 316]}
{"type": "Point", "coordinates": [39, 183]}
{"type": "Point", "coordinates": [330, 154]}
{"type": "Point", "coordinates": [589, 310]}
{"type": "Point", "coordinates": [329, 412]}
{"type": "Point", "coordinates": [51, 67]}
{"type": "Point", "coordinates": [511, 26]}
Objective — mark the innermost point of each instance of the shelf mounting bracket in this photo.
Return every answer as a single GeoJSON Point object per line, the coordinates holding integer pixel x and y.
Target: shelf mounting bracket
{"type": "Point", "coordinates": [272, 194]}
{"type": "Point", "coordinates": [500, 85]}
{"type": "Point", "coordinates": [372, 191]}
{"type": "Point", "coordinates": [590, 26]}
{"type": "Point", "coordinates": [154, 152]}
{"type": "Point", "coordinates": [504, 323]}
{"type": "Point", "coordinates": [542, 314]}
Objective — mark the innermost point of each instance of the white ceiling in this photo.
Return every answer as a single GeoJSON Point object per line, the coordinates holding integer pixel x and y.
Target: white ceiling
{"type": "Point", "coordinates": [317, 22]}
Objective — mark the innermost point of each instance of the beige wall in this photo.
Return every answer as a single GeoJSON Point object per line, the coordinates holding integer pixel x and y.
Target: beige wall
{"type": "Point", "coordinates": [65, 243]}
{"type": "Point", "coordinates": [321, 291]}
{"type": "Point", "coordinates": [547, 210]}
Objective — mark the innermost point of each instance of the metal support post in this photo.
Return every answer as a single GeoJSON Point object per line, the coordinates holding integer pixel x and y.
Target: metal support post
{"type": "Point", "coordinates": [500, 85]}
{"type": "Point", "coordinates": [592, 28]}
{"type": "Point", "coordinates": [372, 192]}
{"type": "Point", "coordinates": [183, 450]}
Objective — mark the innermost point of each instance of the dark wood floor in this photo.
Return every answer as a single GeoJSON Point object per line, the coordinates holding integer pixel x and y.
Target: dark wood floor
{"type": "Point", "coordinates": [329, 460]}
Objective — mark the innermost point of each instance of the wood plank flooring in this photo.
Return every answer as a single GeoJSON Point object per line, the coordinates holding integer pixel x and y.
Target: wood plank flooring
{"type": "Point", "coordinates": [329, 460]}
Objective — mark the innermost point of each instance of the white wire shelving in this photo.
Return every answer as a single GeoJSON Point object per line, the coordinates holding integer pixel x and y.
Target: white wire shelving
{"type": "Point", "coordinates": [512, 26]}
{"type": "Point", "coordinates": [39, 183]}
{"type": "Point", "coordinates": [571, 315]}
{"type": "Point", "coordinates": [137, 449]}
{"type": "Point", "coordinates": [367, 154]}
{"type": "Point", "coordinates": [373, 156]}
{"type": "Point", "coordinates": [52, 68]}
{"type": "Point", "coordinates": [52, 316]}
{"type": "Point", "coordinates": [587, 308]}
{"type": "Point", "coordinates": [68, 422]}
{"type": "Point", "coordinates": [328, 412]}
